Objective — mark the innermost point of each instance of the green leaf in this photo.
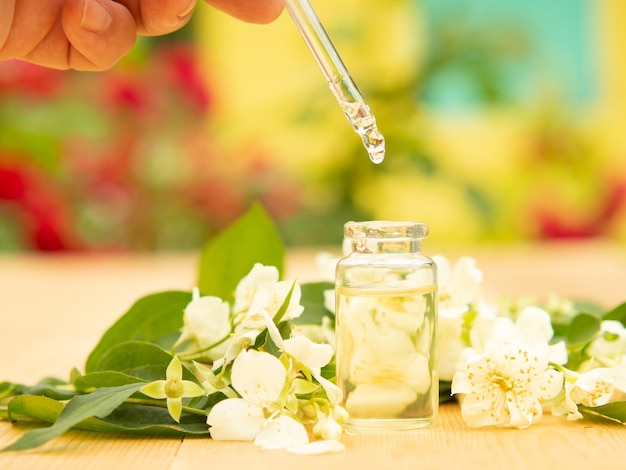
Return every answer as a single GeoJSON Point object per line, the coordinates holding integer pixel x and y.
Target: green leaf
{"type": "Point", "coordinates": [99, 403]}
{"type": "Point", "coordinates": [313, 302]}
{"type": "Point", "coordinates": [148, 420]}
{"type": "Point", "coordinates": [138, 359]}
{"type": "Point", "coordinates": [104, 379]}
{"type": "Point", "coordinates": [618, 313]}
{"type": "Point", "coordinates": [156, 318]}
{"type": "Point", "coordinates": [591, 308]}
{"type": "Point", "coordinates": [613, 411]}
{"type": "Point", "coordinates": [8, 389]}
{"type": "Point", "coordinates": [35, 407]}
{"type": "Point", "coordinates": [49, 386]}
{"type": "Point", "coordinates": [583, 328]}
{"type": "Point", "coordinates": [127, 418]}
{"type": "Point", "coordinates": [304, 387]}
{"type": "Point", "coordinates": [229, 256]}
{"type": "Point", "coordinates": [445, 391]}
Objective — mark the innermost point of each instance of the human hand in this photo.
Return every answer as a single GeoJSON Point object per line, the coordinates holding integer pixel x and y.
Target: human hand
{"type": "Point", "coordinates": [95, 34]}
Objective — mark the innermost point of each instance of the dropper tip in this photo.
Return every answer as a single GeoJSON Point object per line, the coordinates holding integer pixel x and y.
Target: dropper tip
{"type": "Point", "coordinates": [377, 157]}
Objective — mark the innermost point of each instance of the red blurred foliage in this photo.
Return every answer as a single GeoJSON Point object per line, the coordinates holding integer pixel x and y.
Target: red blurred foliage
{"type": "Point", "coordinates": [124, 93]}
{"type": "Point", "coordinates": [179, 68]}
{"type": "Point", "coordinates": [150, 159]}
{"type": "Point", "coordinates": [557, 224]}
{"type": "Point", "coordinates": [12, 184]}
{"type": "Point", "coordinates": [42, 212]}
{"type": "Point", "coordinates": [28, 80]}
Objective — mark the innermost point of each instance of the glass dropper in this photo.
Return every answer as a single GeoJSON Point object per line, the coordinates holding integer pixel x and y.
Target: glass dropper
{"type": "Point", "coordinates": [341, 84]}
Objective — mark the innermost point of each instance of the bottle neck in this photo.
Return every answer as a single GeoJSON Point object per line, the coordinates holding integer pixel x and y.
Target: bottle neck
{"type": "Point", "coordinates": [385, 246]}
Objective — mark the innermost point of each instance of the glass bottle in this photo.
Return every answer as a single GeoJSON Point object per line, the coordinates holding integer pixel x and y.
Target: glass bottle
{"type": "Point", "coordinates": [386, 317]}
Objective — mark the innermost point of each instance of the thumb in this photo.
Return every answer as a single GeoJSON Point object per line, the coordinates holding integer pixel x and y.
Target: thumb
{"type": "Point", "coordinates": [100, 32]}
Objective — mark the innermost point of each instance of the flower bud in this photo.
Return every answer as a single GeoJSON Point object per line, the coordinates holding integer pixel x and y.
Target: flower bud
{"type": "Point", "coordinates": [327, 428]}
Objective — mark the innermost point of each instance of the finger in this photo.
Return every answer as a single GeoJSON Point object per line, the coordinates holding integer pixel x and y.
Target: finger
{"type": "Point", "coordinates": [253, 11]}
{"type": "Point", "coordinates": [24, 25]}
{"type": "Point", "coordinates": [158, 17]}
{"type": "Point", "coordinates": [100, 32]}
{"type": "Point", "coordinates": [7, 12]}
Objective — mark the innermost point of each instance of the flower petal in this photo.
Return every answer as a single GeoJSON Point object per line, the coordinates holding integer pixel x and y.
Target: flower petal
{"type": "Point", "coordinates": [240, 341]}
{"type": "Point", "coordinates": [234, 419]}
{"type": "Point", "coordinates": [466, 280]}
{"type": "Point", "coordinates": [207, 321]}
{"type": "Point", "coordinates": [272, 329]}
{"type": "Point", "coordinates": [379, 400]}
{"type": "Point", "coordinates": [247, 288]}
{"type": "Point", "coordinates": [312, 355]}
{"type": "Point", "coordinates": [534, 325]}
{"type": "Point", "coordinates": [258, 376]}
{"type": "Point", "coordinates": [175, 407]}
{"type": "Point", "coordinates": [174, 369]}
{"type": "Point", "coordinates": [333, 392]}
{"type": "Point", "coordinates": [546, 385]}
{"type": "Point", "coordinates": [280, 433]}
{"type": "Point", "coordinates": [192, 389]}
{"type": "Point", "coordinates": [154, 389]}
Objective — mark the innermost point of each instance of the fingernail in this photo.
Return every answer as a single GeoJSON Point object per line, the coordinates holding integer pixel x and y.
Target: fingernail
{"type": "Point", "coordinates": [96, 17]}
{"type": "Point", "coordinates": [187, 11]}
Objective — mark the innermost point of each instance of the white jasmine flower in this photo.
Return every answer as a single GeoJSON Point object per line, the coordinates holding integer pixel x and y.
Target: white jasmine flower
{"type": "Point", "coordinates": [254, 323]}
{"type": "Point", "coordinates": [240, 341]}
{"type": "Point", "coordinates": [558, 353]}
{"type": "Point", "coordinates": [389, 364]}
{"type": "Point", "coordinates": [610, 345]}
{"type": "Point", "coordinates": [327, 263]}
{"type": "Point", "coordinates": [235, 419]}
{"type": "Point", "coordinates": [593, 388]}
{"type": "Point", "coordinates": [486, 329]}
{"type": "Point", "coordinates": [458, 290]}
{"type": "Point", "coordinates": [379, 400]}
{"type": "Point", "coordinates": [281, 432]}
{"type": "Point", "coordinates": [450, 345]}
{"type": "Point", "coordinates": [261, 290]}
{"type": "Point", "coordinates": [388, 355]}
{"type": "Point", "coordinates": [322, 333]}
{"type": "Point", "coordinates": [314, 356]}
{"type": "Point", "coordinates": [206, 326]}
{"type": "Point", "coordinates": [506, 385]}
{"type": "Point", "coordinates": [460, 285]}
{"type": "Point", "coordinates": [259, 378]}
{"type": "Point", "coordinates": [534, 325]}
{"type": "Point", "coordinates": [258, 415]}
{"type": "Point", "coordinates": [253, 284]}
{"type": "Point", "coordinates": [327, 427]}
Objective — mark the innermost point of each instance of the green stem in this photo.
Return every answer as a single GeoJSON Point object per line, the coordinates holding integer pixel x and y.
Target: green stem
{"type": "Point", "coordinates": [198, 354]}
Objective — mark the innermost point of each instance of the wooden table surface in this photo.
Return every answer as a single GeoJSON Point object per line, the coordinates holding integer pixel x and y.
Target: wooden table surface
{"type": "Point", "coordinates": [54, 309]}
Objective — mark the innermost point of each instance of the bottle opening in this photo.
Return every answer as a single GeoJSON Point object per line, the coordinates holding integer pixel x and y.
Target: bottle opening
{"type": "Point", "coordinates": [386, 230]}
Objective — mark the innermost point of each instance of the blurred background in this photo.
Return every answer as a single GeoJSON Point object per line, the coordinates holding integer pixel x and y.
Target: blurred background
{"type": "Point", "coordinates": [504, 122]}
